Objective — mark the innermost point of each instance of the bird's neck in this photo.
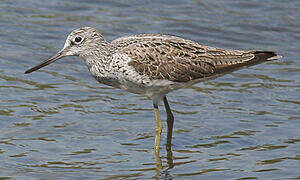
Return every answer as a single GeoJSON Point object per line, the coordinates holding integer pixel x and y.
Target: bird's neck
{"type": "Point", "coordinates": [98, 61]}
{"type": "Point", "coordinates": [97, 55]}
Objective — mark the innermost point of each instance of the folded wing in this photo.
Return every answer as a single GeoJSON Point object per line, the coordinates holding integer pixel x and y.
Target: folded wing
{"type": "Point", "coordinates": [180, 60]}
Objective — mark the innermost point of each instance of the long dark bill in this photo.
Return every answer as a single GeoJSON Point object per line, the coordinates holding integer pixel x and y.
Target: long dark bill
{"type": "Point", "coordinates": [52, 59]}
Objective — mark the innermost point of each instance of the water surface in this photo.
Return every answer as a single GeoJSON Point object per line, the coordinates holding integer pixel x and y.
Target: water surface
{"type": "Point", "coordinates": [59, 122]}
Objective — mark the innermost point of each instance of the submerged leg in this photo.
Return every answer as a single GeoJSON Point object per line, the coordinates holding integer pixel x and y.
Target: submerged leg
{"type": "Point", "coordinates": [158, 129]}
{"type": "Point", "coordinates": [170, 122]}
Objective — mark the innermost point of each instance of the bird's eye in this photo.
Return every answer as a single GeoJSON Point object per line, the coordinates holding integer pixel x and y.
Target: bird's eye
{"type": "Point", "coordinates": [78, 39]}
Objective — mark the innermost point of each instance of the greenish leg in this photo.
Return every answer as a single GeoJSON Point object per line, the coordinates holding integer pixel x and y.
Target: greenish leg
{"type": "Point", "coordinates": [170, 123]}
{"type": "Point", "coordinates": [158, 129]}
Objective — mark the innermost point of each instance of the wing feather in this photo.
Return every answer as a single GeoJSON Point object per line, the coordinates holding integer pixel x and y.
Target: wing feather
{"type": "Point", "coordinates": [176, 59]}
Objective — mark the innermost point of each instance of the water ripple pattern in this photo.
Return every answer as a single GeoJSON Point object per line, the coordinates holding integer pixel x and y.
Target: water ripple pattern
{"type": "Point", "coordinates": [59, 122]}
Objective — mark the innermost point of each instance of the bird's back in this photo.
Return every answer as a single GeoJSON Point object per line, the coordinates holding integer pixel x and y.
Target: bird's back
{"type": "Point", "coordinates": [179, 60]}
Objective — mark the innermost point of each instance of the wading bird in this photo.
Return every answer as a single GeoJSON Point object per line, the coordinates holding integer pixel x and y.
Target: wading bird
{"type": "Point", "coordinates": [153, 64]}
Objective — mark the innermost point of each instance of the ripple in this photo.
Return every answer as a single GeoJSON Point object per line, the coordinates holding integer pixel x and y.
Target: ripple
{"type": "Point", "coordinates": [59, 122]}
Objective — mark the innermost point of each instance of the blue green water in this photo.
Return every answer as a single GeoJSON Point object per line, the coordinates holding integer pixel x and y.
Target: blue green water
{"type": "Point", "coordinates": [60, 123]}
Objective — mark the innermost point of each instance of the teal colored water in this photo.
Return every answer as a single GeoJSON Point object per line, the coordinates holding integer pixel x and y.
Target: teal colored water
{"type": "Point", "coordinates": [60, 123]}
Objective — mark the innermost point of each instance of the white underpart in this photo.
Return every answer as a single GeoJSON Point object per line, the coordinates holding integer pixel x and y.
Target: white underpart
{"type": "Point", "coordinates": [119, 74]}
{"type": "Point", "coordinates": [131, 81]}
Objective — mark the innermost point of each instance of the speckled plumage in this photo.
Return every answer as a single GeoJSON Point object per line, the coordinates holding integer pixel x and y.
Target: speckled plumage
{"type": "Point", "coordinates": [153, 64]}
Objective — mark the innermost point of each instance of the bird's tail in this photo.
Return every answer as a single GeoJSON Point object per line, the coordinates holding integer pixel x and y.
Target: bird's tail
{"type": "Point", "coordinates": [267, 55]}
{"type": "Point", "coordinates": [259, 57]}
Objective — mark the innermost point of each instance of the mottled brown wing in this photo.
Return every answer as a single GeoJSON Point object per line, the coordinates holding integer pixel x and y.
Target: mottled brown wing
{"type": "Point", "coordinates": [166, 59]}
{"type": "Point", "coordinates": [180, 60]}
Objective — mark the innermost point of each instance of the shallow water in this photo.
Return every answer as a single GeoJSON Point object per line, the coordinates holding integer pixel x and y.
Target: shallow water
{"type": "Point", "coordinates": [59, 122]}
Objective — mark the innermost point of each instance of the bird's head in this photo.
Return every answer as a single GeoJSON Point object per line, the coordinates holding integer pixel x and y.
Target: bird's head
{"type": "Point", "coordinates": [80, 42]}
